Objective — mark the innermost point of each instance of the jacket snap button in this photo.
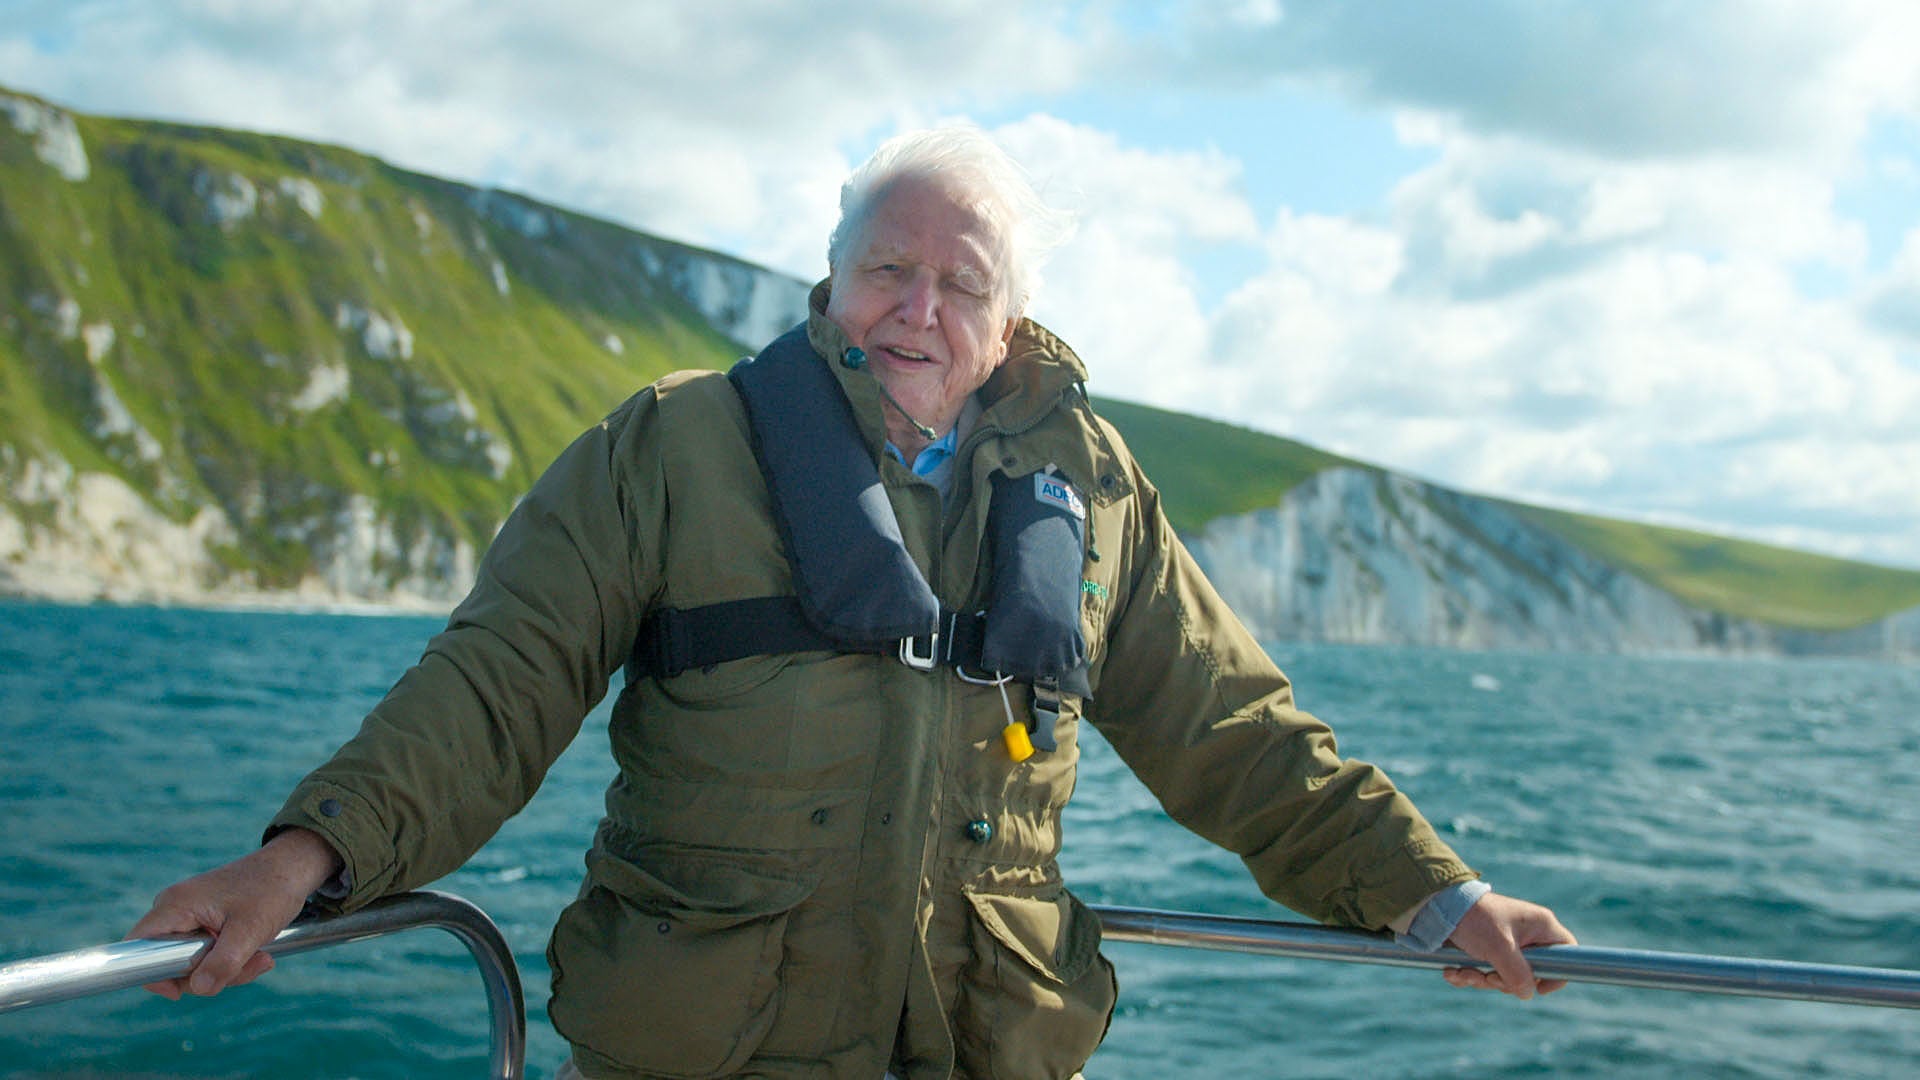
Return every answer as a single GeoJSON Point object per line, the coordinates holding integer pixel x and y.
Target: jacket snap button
{"type": "Point", "coordinates": [980, 831]}
{"type": "Point", "coordinates": [819, 817]}
{"type": "Point", "coordinates": [886, 819]}
{"type": "Point", "coordinates": [854, 358]}
{"type": "Point", "coordinates": [329, 807]}
{"type": "Point", "coordinates": [664, 927]}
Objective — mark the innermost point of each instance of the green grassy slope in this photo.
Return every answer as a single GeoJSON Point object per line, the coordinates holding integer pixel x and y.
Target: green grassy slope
{"type": "Point", "coordinates": [217, 327]}
{"type": "Point", "coordinates": [1206, 469]}
{"type": "Point", "coordinates": [1740, 577]}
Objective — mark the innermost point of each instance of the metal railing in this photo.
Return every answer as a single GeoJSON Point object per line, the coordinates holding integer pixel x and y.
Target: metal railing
{"type": "Point", "coordinates": [1704, 974]}
{"type": "Point", "coordinates": [83, 972]}
{"type": "Point", "coordinates": [43, 980]}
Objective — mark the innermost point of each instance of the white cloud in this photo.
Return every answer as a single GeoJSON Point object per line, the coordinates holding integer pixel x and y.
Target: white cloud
{"type": "Point", "coordinates": [1122, 291]}
{"type": "Point", "coordinates": [1566, 329]}
{"type": "Point", "coordinates": [1624, 80]}
{"type": "Point", "coordinates": [1343, 254]}
{"type": "Point", "coordinates": [1494, 213]}
{"type": "Point", "coordinates": [1893, 302]}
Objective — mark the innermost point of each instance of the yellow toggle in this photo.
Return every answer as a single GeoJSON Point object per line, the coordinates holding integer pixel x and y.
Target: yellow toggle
{"type": "Point", "coordinates": [1019, 746]}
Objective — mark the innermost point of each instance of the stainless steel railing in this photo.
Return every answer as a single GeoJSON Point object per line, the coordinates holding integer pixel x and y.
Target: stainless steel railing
{"type": "Point", "coordinates": [1578, 963]}
{"type": "Point", "coordinates": [43, 980]}
{"type": "Point", "coordinates": [64, 976]}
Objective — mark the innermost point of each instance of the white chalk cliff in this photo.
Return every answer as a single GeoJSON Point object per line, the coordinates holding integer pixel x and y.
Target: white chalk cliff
{"type": "Point", "coordinates": [1361, 556]}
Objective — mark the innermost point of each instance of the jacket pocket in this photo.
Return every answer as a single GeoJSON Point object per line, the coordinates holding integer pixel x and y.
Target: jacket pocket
{"type": "Point", "coordinates": [675, 978]}
{"type": "Point", "coordinates": [1037, 994]}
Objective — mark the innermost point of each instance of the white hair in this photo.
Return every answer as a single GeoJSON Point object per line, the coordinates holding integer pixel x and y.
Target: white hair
{"type": "Point", "coordinates": [962, 155]}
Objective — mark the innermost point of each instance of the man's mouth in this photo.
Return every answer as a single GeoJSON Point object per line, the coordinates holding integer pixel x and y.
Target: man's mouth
{"type": "Point", "coordinates": [906, 354]}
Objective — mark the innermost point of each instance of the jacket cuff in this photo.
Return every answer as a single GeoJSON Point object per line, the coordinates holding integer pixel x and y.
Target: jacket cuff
{"type": "Point", "coordinates": [348, 823]}
{"type": "Point", "coordinates": [1421, 867]}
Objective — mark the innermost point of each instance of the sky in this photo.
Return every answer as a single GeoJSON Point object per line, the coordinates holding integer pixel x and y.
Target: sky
{"type": "Point", "coordinates": [1653, 259]}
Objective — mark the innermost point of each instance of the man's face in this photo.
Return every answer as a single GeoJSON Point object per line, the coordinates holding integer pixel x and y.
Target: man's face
{"type": "Point", "coordinates": [920, 291]}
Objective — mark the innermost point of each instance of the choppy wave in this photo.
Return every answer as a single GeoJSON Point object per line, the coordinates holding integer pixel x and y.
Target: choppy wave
{"type": "Point", "coordinates": [1741, 807]}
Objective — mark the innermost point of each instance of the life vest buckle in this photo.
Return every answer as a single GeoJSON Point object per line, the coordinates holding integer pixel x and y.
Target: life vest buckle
{"type": "Point", "coordinates": [911, 655]}
{"type": "Point", "coordinates": [1046, 713]}
{"type": "Point", "coordinates": [982, 679]}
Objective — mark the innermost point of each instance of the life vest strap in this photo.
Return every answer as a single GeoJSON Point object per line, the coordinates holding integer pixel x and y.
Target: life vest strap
{"type": "Point", "coordinates": [674, 640]}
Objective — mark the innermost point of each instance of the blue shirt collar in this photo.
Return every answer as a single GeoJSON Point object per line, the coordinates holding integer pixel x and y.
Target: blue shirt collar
{"type": "Point", "coordinates": [935, 453]}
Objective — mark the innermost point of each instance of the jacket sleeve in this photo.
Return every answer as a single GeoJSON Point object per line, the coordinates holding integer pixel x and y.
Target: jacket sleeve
{"type": "Point", "coordinates": [1202, 716]}
{"type": "Point", "coordinates": [465, 737]}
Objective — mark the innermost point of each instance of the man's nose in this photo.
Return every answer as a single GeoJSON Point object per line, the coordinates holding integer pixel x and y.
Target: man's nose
{"type": "Point", "coordinates": [920, 300]}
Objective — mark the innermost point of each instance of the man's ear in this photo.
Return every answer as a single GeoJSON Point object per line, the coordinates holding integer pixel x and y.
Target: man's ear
{"type": "Point", "coordinates": [1006, 339]}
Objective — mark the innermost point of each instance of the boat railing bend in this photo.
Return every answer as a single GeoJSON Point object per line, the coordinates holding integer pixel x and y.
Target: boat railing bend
{"type": "Point", "coordinates": [1704, 974]}
{"type": "Point", "coordinates": [63, 976]}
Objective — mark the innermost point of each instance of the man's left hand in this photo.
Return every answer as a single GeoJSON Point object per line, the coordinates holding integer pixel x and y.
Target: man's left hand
{"type": "Point", "coordinates": [1494, 930]}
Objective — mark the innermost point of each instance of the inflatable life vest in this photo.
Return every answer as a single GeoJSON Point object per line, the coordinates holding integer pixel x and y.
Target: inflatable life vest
{"type": "Point", "coordinates": [857, 588]}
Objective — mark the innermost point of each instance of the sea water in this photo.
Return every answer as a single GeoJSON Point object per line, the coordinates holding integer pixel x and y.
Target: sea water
{"type": "Point", "coordinates": [1750, 808]}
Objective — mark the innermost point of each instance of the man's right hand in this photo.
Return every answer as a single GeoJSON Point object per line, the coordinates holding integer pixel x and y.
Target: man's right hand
{"type": "Point", "coordinates": [244, 905]}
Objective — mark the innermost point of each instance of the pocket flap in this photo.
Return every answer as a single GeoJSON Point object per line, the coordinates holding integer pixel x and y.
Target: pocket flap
{"type": "Point", "coordinates": [1057, 936]}
{"type": "Point", "coordinates": [703, 891]}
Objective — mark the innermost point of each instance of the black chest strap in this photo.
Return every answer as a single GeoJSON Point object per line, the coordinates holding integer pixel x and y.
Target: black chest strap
{"type": "Point", "coordinates": [677, 640]}
{"type": "Point", "coordinates": [674, 640]}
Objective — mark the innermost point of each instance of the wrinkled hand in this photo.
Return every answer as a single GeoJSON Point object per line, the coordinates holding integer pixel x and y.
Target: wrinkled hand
{"type": "Point", "coordinates": [1494, 930]}
{"type": "Point", "coordinates": [244, 905]}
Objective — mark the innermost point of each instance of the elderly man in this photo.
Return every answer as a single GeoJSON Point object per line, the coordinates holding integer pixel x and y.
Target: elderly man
{"type": "Point", "coordinates": [865, 588]}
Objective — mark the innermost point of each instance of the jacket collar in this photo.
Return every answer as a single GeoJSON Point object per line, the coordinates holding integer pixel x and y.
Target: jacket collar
{"type": "Point", "coordinates": [1019, 394]}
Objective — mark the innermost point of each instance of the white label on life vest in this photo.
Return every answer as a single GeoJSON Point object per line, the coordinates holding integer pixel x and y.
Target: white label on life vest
{"type": "Point", "coordinates": [1052, 489]}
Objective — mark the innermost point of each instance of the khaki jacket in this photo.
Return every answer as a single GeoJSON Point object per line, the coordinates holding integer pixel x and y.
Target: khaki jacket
{"type": "Point", "coordinates": [823, 864]}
